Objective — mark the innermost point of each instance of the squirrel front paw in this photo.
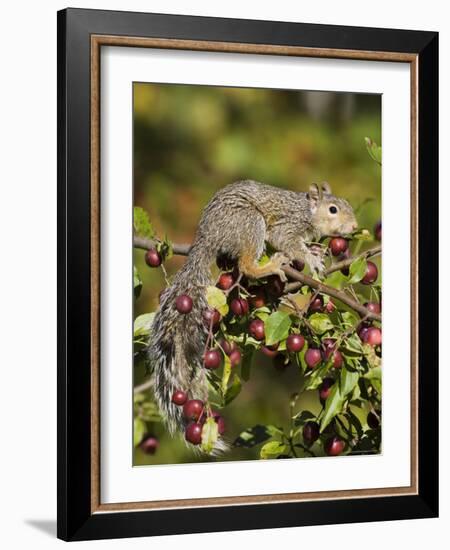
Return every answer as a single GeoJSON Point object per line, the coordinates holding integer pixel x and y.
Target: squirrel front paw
{"type": "Point", "coordinates": [315, 259]}
{"type": "Point", "coordinates": [278, 260]}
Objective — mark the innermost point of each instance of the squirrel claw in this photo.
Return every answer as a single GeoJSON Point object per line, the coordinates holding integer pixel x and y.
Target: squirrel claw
{"type": "Point", "coordinates": [279, 259]}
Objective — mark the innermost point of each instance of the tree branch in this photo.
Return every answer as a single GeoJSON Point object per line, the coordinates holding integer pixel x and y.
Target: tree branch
{"type": "Point", "coordinates": [183, 249]}
{"type": "Point", "coordinates": [146, 244]}
{"type": "Point", "coordinates": [348, 261]}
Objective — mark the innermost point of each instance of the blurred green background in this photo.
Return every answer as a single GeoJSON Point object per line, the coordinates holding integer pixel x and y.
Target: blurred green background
{"type": "Point", "coordinates": [189, 141]}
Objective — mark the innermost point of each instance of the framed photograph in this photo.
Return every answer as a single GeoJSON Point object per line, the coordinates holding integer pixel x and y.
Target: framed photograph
{"type": "Point", "coordinates": [247, 251]}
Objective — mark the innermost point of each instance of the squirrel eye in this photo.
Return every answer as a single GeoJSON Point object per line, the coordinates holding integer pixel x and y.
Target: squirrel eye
{"type": "Point", "coordinates": [333, 210]}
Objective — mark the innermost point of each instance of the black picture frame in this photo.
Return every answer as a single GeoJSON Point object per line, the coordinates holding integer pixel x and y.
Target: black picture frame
{"type": "Point", "coordinates": [76, 520]}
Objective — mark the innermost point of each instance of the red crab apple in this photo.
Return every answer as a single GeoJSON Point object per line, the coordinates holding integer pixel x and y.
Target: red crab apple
{"type": "Point", "coordinates": [256, 329]}
{"type": "Point", "coordinates": [377, 231]}
{"type": "Point", "coordinates": [311, 432]}
{"type": "Point", "coordinates": [149, 445]}
{"type": "Point", "coordinates": [295, 343]}
{"type": "Point", "coordinates": [373, 336]}
{"type": "Point", "coordinates": [334, 446]}
{"type": "Point", "coordinates": [193, 433]}
{"type": "Point", "coordinates": [153, 258]}
{"type": "Point", "coordinates": [226, 281]}
{"type": "Point", "coordinates": [179, 397]}
{"type": "Point", "coordinates": [184, 303]}
{"type": "Point", "coordinates": [192, 409]}
{"type": "Point", "coordinates": [239, 306]}
{"type": "Point", "coordinates": [338, 245]}
{"type": "Point", "coordinates": [212, 359]}
{"type": "Point", "coordinates": [371, 274]}
{"type": "Point", "coordinates": [325, 388]}
{"type": "Point", "coordinates": [313, 357]}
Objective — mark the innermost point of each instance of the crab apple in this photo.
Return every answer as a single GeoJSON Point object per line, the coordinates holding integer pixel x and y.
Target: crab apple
{"type": "Point", "coordinates": [299, 265]}
{"type": "Point", "coordinates": [313, 357]}
{"type": "Point", "coordinates": [211, 317]}
{"type": "Point", "coordinates": [329, 306]}
{"type": "Point", "coordinates": [377, 231]}
{"type": "Point", "coordinates": [316, 304]}
{"type": "Point", "coordinates": [362, 330]}
{"type": "Point", "coordinates": [226, 281]}
{"type": "Point", "coordinates": [373, 307]}
{"type": "Point", "coordinates": [325, 388]}
{"type": "Point", "coordinates": [373, 336]}
{"type": "Point", "coordinates": [329, 348]}
{"type": "Point", "coordinates": [184, 303]}
{"type": "Point", "coordinates": [270, 351]}
{"type": "Point", "coordinates": [235, 357]}
{"type": "Point", "coordinates": [373, 420]}
{"type": "Point", "coordinates": [179, 397]}
{"type": "Point", "coordinates": [149, 445]}
{"type": "Point", "coordinates": [193, 433]}
{"type": "Point", "coordinates": [212, 359]}
{"type": "Point", "coordinates": [371, 274]}
{"type": "Point", "coordinates": [334, 446]}
{"type": "Point", "coordinates": [153, 258]}
{"type": "Point", "coordinates": [311, 432]}
{"type": "Point", "coordinates": [338, 245]}
{"type": "Point", "coordinates": [228, 346]}
{"type": "Point", "coordinates": [239, 306]}
{"type": "Point", "coordinates": [279, 362]}
{"type": "Point", "coordinates": [258, 297]}
{"type": "Point", "coordinates": [219, 421]}
{"type": "Point", "coordinates": [256, 329]}
{"type": "Point", "coordinates": [295, 342]}
{"type": "Point", "coordinates": [192, 409]}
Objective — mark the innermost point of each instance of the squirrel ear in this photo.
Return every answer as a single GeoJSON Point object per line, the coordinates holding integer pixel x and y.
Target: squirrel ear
{"type": "Point", "coordinates": [326, 188]}
{"type": "Point", "coordinates": [314, 194]}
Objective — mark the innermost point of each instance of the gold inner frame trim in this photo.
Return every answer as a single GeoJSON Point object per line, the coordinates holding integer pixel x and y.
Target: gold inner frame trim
{"type": "Point", "coordinates": [97, 41]}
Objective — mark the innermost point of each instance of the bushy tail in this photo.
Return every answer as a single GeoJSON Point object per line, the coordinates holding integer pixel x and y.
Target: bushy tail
{"type": "Point", "coordinates": [178, 340]}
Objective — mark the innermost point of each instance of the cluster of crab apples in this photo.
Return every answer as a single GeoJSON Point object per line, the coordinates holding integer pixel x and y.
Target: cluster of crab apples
{"type": "Point", "coordinates": [195, 413]}
{"type": "Point", "coordinates": [241, 307]}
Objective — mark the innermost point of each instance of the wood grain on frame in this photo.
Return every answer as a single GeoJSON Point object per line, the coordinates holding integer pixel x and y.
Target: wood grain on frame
{"type": "Point", "coordinates": [125, 41]}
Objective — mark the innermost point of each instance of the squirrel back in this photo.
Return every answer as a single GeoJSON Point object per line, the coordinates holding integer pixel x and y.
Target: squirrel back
{"type": "Point", "coordinates": [236, 223]}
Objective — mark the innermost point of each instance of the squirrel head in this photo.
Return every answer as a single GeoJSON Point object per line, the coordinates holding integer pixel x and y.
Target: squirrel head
{"type": "Point", "coordinates": [330, 215]}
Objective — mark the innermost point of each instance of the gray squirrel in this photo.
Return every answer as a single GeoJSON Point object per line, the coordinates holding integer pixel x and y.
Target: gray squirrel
{"type": "Point", "coordinates": [237, 222]}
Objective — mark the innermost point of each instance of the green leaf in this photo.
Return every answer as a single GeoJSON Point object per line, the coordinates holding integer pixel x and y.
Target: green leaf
{"type": "Point", "coordinates": [141, 222]}
{"type": "Point", "coordinates": [352, 346]}
{"type": "Point", "coordinates": [357, 271]}
{"type": "Point", "coordinates": [277, 327]}
{"type": "Point", "coordinates": [303, 417]}
{"type": "Point", "coordinates": [139, 430]}
{"type": "Point", "coordinates": [256, 435]}
{"type": "Point", "coordinates": [137, 282]}
{"type": "Point", "coordinates": [333, 406]}
{"type": "Point", "coordinates": [217, 299]}
{"type": "Point", "coordinates": [234, 390]}
{"type": "Point", "coordinates": [143, 324]}
{"type": "Point", "coordinates": [210, 435]}
{"type": "Point", "coordinates": [363, 235]}
{"type": "Point", "coordinates": [320, 322]}
{"type": "Point", "coordinates": [272, 449]}
{"type": "Point", "coordinates": [226, 375]}
{"type": "Point", "coordinates": [348, 380]}
{"type": "Point", "coordinates": [374, 150]}
{"type": "Point", "coordinates": [165, 248]}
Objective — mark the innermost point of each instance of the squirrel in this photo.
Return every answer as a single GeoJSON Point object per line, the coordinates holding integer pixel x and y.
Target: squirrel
{"type": "Point", "coordinates": [236, 223]}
